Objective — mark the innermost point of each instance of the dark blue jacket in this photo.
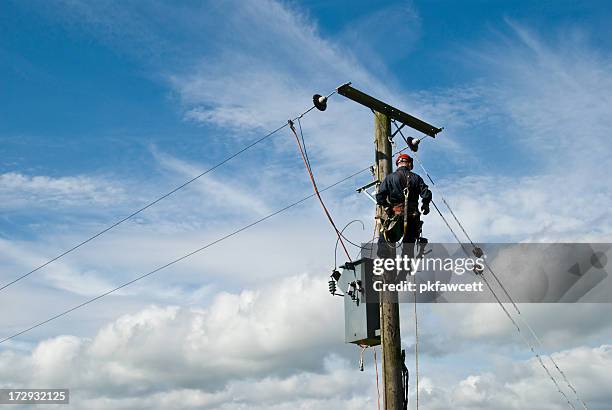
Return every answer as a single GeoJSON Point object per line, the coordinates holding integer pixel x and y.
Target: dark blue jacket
{"type": "Point", "coordinates": [391, 190]}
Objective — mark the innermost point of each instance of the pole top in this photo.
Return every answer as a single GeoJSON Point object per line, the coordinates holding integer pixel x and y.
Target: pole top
{"type": "Point", "coordinates": [382, 107]}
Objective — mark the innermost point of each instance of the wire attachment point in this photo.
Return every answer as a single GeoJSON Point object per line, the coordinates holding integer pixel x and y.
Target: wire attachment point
{"type": "Point", "coordinates": [413, 144]}
{"type": "Point", "coordinates": [320, 102]}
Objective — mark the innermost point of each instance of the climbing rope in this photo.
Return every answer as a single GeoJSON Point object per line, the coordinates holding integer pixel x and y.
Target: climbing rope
{"type": "Point", "coordinates": [316, 190]}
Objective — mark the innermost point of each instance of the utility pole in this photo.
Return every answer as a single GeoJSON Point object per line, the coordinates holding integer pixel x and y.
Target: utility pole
{"type": "Point", "coordinates": [389, 308]}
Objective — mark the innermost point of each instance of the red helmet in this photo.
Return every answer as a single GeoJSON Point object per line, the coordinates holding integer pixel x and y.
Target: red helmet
{"type": "Point", "coordinates": [405, 157]}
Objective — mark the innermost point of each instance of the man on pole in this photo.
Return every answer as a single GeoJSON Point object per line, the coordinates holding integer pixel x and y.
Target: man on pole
{"type": "Point", "coordinates": [399, 195]}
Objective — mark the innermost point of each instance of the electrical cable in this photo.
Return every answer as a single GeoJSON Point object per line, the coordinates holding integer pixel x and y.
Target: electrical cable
{"type": "Point", "coordinates": [531, 348]}
{"type": "Point", "coordinates": [87, 302]}
{"type": "Point", "coordinates": [512, 302]}
{"type": "Point", "coordinates": [150, 204]}
{"type": "Point", "coordinates": [501, 285]}
{"type": "Point", "coordinates": [499, 302]}
{"type": "Point", "coordinates": [338, 240]}
{"type": "Point", "coordinates": [316, 190]}
{"type": "Point", "coordinates": [495, 276]}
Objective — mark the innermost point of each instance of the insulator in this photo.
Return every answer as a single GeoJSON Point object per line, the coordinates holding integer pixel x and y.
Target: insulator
{"type": "Point", "coordinates": [413, 143]}
{"type": "Point", "coordinates": [332, 286]}
{"type": "Point", "coordinates": [358, 286]}
{"type": "Point", "coordinates": [478, 252]}
{"type": "Point", "coordinates": [320, 102]}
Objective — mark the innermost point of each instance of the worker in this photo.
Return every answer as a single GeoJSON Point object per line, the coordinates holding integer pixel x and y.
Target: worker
{"type": "Point", "coordinates": [398, 222]}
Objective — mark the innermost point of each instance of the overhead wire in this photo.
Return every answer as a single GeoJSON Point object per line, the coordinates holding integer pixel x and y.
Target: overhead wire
{"type": "Point", "coordinates": [501, 285]}
{"type": "Point", "coordinates": [208, 245]}
{"type": "Point", "coordinates": [339, 234]}
{"type": "Point", "coordinates": [499, 302]}
{"type": "Point", "coordinates": [150, 204]}
{"type": "Point", "coordinates": [513, 303]}
{"type": "Point", "coordinates": [532, 349]}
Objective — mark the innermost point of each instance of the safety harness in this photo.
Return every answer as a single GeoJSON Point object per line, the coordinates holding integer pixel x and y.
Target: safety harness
{"type": "Point", "coordinates": [395, 226]}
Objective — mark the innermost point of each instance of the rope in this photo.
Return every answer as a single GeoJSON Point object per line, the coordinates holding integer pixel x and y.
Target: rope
{"type": "Point", "coordinates": [377, 385]}
{"type": "Point", "coordinates": [524, 321]}
{"type": "Point", "coordinates": [150, 204]}
{"type": "Point", "coordinates": [182, 257]}
{"type": "Point", "coordinates": [316, 190]}
{"type": "Point", "coordinates": [416, 349]}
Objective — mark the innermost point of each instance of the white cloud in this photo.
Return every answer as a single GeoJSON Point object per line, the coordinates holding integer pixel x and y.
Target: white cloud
{"type": "Point", "coordinates": [524, 384]}
{"type": "Point", "coordinates": [220, 194]}
{"type": "Point", "coordinates": [269, 347]}
{"type": "Point", "coordinates": [19, 258]}
{"type": "Point", "coordinates": [272, 61]}
{"type": "Point", "coordinates": [276, 331]}
{"type": "Point", "coordinates": [19, 190]}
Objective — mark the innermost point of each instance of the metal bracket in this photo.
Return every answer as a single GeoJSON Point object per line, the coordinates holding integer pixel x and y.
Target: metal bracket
{"type": "Point", "coordinates": [364, 189]}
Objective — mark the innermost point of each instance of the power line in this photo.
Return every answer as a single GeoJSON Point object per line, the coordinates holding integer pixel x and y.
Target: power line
{"type": "Point", "coordinates": [499, 302]}
{"type": "Point", "coordinates": [529, 344]}
{"type": "Point", "coordinates": [150, 204]}
{"type": "Point", "coordinates": [237, 231]}
{"type": "Point", "coordinates": [518, 311]}
{"type": "Point", "coordinates": [495, 276]}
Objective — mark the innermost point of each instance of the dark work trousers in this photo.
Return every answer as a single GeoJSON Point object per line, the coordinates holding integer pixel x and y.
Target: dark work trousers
{"type": "Point", "coordinates": [413, 232]}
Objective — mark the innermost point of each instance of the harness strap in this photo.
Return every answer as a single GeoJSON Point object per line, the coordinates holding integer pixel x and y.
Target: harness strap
{"type": "Point", "coordinates": [406, 192]}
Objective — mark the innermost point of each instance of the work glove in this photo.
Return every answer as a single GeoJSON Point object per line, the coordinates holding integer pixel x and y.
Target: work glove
{"type": "Point", "coordinates": [425, 208]}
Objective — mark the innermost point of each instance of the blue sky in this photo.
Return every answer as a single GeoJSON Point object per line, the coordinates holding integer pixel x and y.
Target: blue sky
{"type": "Point", "coordinates": [110, 104]}
{"type": "Point", "coordinates": [73, 92]}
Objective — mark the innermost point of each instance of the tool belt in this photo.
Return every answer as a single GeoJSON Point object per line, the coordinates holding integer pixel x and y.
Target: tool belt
{"type": "Point", "coordinates": [398, 209]}
{"type": "Point", "coordinates": [392, 227]}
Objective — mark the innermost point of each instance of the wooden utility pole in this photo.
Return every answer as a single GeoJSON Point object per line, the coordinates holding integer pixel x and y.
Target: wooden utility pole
{"type": "Point", "coordinates": [389, 308]}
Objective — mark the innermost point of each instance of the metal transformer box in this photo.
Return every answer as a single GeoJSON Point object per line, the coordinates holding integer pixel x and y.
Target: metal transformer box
{"type": "Point", "coordinates": [361, 320]}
